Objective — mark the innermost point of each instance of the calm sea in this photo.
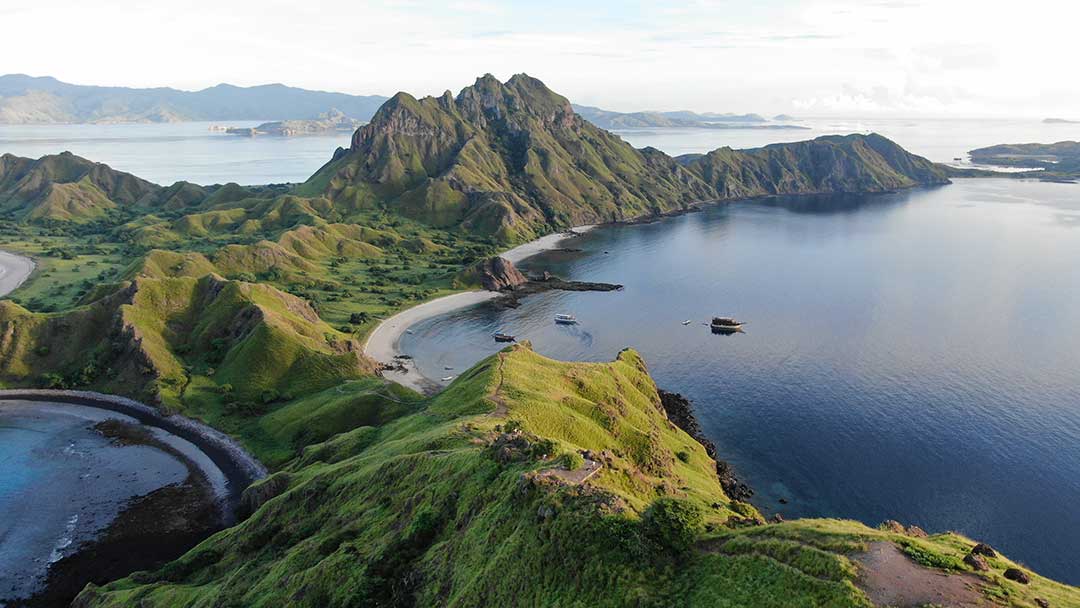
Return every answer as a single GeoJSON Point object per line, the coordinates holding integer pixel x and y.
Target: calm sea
{"type": "Point", "coordinates": [166, 153]}
{"type": "Point", "coordinates": [909, 356]}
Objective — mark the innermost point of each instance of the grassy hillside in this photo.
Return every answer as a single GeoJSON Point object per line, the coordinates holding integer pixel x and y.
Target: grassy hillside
{"type": "Point", "coordinates": [475, 498]}
{"type": "Point", "coordinates": [513, 160]}
{"type": "Point", "coordinates": [225, 351]}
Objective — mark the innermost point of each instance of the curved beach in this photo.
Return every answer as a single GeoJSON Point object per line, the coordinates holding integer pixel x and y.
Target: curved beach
{"type": "Point", "coordinates": [14, 270]}
{"type": "Point", "coordinates": [382, 343]}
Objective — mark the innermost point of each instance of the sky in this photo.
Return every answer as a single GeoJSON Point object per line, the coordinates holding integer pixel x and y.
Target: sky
{"type": "Point", "coordinates": [814, 58]}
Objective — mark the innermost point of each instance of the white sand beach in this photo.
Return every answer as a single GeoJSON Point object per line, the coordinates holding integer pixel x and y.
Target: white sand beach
{"type": "Point", "coordinates": [382, 342]}
{"type": "Point", "coordinates": [14, 270]}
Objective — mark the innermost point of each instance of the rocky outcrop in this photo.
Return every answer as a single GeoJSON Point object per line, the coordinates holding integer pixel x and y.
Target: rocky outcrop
{"type": "Point", "coordinates": [499, 274]}
{"type": "Point", "coordinates": [1018, 575]}
{"type": "Point", "coordinates": [977, 562]}
{"type": "Point", "coordinates": [680, 411]}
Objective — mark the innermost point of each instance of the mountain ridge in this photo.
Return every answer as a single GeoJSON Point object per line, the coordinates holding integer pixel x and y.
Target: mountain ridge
{"type": "Point", "coordinates": [514, 160]}
{"type": "Point", "coordinates": [46, 100]}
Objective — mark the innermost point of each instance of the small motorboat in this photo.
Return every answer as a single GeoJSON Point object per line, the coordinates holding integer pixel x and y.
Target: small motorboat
{"type": "Point", "coordinates": [686, 322]}
{"type": "Point", "coordinates": [501, 337]}
{"type": "Point", "coordinates": [565, 319]}
{"type": "Point", "coordinates": [448, 378]}
{"type": "Point", "coordinates": [725, 325]}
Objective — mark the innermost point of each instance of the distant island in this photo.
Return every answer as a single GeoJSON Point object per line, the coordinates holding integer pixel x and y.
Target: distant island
{"type": "Point", "coordinates": [334, 121]}
{"type": "Point", "coordinates": [607, 119]}
{"type": "Point", "coordinates": [45, 100]}
{"type": "Point", "coordinates": [1060, 121]}
{"type": "Point", "coordinates": [1058, 161]}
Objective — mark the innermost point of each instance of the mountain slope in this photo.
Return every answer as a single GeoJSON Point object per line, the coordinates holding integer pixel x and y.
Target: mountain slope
{"type": "Point", "coordinates": [478, 499]}
{"type": "Point", "coordinates": [25, 99]}
{"type": "Point", "coordinates": [150, 338]}
{"type": "Point", "coordinates": [843, 164]}
{"type": "Point", "coordinates": [513, 160]}
{"type": "Point", "coordinates": [508, 160]}
{"type": "Point", "coordinates": [69, 188]}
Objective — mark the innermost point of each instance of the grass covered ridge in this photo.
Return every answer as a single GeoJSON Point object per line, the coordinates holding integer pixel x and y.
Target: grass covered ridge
{"type": "Point", "coordinates": [452, 502]}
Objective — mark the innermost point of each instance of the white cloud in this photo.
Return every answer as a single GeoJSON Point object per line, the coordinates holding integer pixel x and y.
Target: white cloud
{"type": "Point", "coordinates": [832, 56]}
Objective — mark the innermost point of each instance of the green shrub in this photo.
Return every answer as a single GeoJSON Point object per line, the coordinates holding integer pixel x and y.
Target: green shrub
{"type": "Point", "coordinates": [573, 461]}
{"type": "Point", "coordinates": [673, 523]}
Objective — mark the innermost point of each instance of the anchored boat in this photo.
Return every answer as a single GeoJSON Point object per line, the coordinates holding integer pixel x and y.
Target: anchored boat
{"type": "Point", "coordinates": [725, 325]}
{"type": "Point", "coordinates": [501, 337]}
{"type": "Point", "coordinates": [565, 319]}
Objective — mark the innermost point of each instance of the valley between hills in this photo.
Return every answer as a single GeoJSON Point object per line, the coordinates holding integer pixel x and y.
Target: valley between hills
{"type": "Point", "coordinates": [527, 481]}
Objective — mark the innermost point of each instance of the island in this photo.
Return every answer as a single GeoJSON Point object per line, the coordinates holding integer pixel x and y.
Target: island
{"type": "Point", "coordinates": [524, 480]}
{"type": "Point", "coordinates": [1058, 161]}
{"type": "Point", "coordinates": [607, 119]}
{"type": "Point", "coordinates": [334, 121]}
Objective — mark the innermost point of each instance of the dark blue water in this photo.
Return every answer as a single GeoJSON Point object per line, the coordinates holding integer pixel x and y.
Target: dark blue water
{"type": "Point", "coordinates": [913, 356]}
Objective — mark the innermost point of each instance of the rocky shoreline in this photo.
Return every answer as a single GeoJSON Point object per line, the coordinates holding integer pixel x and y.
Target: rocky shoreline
{"type": "Point", "coordinates": [681, 412]}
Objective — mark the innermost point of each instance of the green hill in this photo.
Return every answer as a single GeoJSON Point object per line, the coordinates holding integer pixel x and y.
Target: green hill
{"type": "Point", "coordinates": [476, 498]}
{"type": "Point", "coordinates": [513, 160]}
{"type": "Point", "coordinates": [68, 188]}
{"type": "Point", "coordinates": [157, 338]}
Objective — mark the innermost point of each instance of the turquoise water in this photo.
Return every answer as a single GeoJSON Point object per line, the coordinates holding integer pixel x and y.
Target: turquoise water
{"type": "Point", "coordinates": [61, 484]}
{"type": "Point", "coordinates": [911, 356]}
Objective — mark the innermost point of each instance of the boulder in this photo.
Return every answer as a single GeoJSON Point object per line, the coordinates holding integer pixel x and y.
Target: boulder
{"type": "Point", "coordinates": [977, 562]}
{"type": "Point", "coordinates": [984, 549]}
{"type": "Point", "coordinates": [1018, 575]}
{"type": "Point", "coordinates": [498, 274]}
{"type": "Point", "coordinates": [917, 532]}
{"type": "Point", "coordinates": [891, 525]}
{"type": "Point", "coordinates": [1041, 603]}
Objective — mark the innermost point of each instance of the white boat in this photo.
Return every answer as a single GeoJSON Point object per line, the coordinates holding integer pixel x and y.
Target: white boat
{"type": "Point", "coordinates": [725, 325]}
{"type": "Point", "coordinates": [565, 319]}
{"type": "Point", "coordinates": [686, 322]}
{"type": "Point", "coordinates": [448, 378]}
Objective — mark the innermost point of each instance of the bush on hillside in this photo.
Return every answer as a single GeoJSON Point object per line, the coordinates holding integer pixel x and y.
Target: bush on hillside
{"type": "Point", "coordinates": [673, 523]}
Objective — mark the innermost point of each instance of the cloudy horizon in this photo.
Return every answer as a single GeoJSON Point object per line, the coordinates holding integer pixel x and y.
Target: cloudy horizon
{"type": "Point", "coordinates": [820, 58]}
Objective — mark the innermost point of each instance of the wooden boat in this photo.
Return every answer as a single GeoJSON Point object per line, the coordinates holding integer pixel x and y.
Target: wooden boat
{"type": "Point", "coordinates": [501, 337]}
{"type": "Point", "coordinates": [722, 325]}
{"type": "Point", "coordinates": [565, 319]}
